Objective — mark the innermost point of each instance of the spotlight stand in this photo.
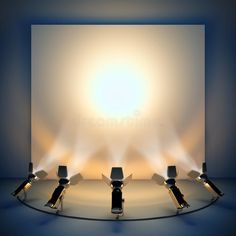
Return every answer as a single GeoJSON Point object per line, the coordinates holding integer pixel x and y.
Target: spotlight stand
{"type": "Point", "coordinates": [170, 183]}
{"type": "Point", "coordinates": [56, 200]}
{"type": "Point", "coordinates": [206, 182]}
{"type": "Point", "coordinates": [28, 182]}
{"type": "Point", "coordinates": [116, 182]}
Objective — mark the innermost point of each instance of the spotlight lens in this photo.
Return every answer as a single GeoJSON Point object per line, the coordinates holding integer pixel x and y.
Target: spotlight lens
{"type": "Point", "coordinates": [118, 91]}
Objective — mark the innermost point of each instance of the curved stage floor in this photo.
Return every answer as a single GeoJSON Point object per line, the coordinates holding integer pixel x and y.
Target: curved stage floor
{"type": "Point", "coordinates": [144, 199]}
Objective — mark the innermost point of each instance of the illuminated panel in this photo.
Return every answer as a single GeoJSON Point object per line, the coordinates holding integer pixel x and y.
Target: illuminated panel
{"type": "Point", "coordinates": [118, 95]}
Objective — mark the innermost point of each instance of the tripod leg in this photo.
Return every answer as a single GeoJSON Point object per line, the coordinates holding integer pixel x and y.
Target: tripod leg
{"type": "Point", "coordinates": [62, 203]}
{"type": "Point", "coordinates": [123, 201]}
{"type": "Point", "coordinates": [25, 195]}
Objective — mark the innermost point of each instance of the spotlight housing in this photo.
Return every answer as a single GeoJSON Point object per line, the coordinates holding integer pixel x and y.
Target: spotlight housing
{"type": "Point", "coordinates": [207, 183]}
{"type": "Point", "coordinates": [175, 193]}
{"type": "Point", "coordinates": [28, 182]}
{"type": "Point", "coordinates": [57, 197]}
{"type": "Point", "coordinates": [117, 182]}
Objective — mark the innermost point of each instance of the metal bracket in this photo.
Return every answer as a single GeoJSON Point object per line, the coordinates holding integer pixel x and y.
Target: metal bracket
{"type": "Point", "coordinates": [60, 204]}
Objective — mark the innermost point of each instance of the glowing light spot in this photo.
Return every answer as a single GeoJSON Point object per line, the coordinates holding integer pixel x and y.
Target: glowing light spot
{"type": "Point", "coordinates": [118, 91]}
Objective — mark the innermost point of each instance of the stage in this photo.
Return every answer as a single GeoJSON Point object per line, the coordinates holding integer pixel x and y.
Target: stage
{"type": "Point", "coordinates": [18, 219]}
{"type": "Point", "coordinates": [144, 199]}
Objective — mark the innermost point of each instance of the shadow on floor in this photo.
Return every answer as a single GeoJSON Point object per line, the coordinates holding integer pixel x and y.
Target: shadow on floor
{"type": "Point", "coordinates": [117, 227]}
{"type": "Point", "coordinates": [13, 203]}
{"type": "Point", "coordinates": [46, 219]}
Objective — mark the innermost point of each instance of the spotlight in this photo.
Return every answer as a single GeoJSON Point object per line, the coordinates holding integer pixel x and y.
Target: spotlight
{"type": "Point", "coordinates": [207, 183]}
{"type": "Point", "coordinates": [174, 191]}
{"type": "Point", "coordinates": [116, 182]}
{"type": "Point", "coordinates": [27, 184]}
{"type": "Point", "coordinates": [57, 197]}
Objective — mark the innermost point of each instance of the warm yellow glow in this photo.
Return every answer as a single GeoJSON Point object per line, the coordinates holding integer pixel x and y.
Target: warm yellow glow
{"type": "Point", "coordinates": [117, 95]}
{"type": "Point", "coordinates": [27, 186]}
{"type": "Point", "coordinates": [118, 90]}
{"type": "Point", "coordinates": [209, 188]}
